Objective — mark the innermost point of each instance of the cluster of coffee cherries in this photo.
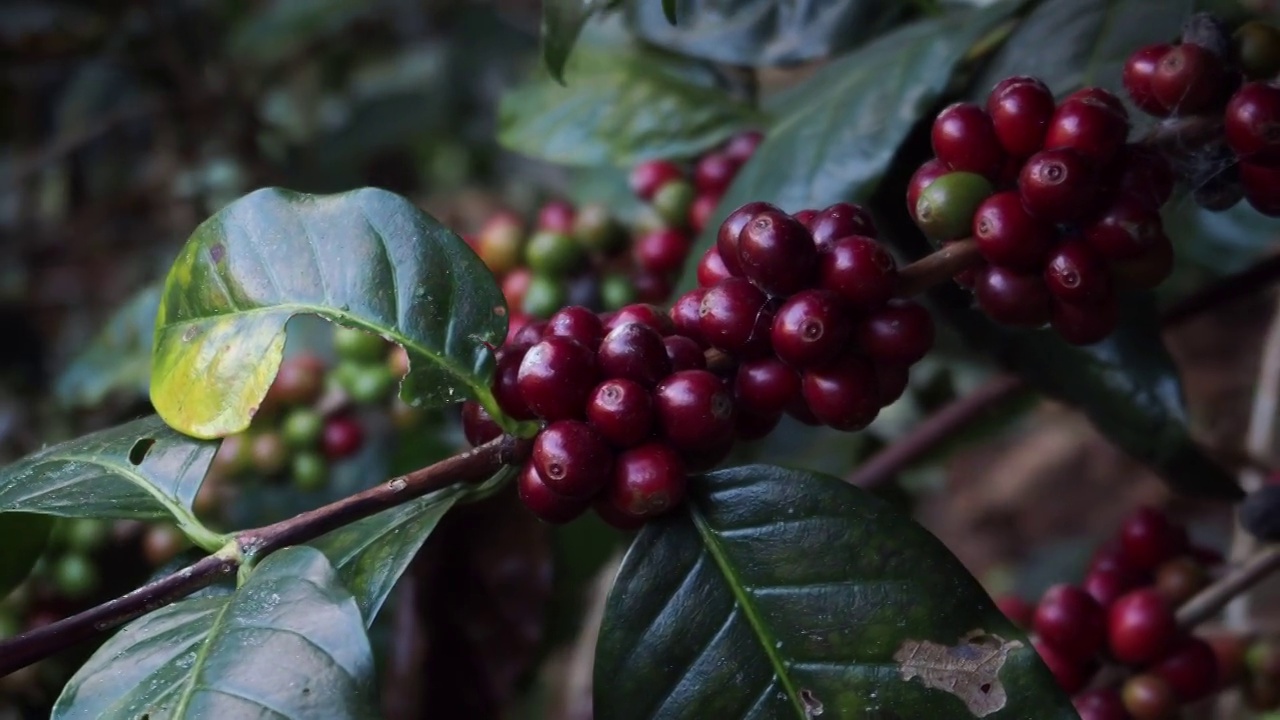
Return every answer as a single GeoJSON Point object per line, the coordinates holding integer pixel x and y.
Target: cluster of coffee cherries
{"type": "Point", "coordinates": [1123, 614]}
{"type": "Point", "coordinates": [1209, 74]}
{"type": "Point", "coordinates": [687, 195]}
{"type": "Point", "coordinates": [1063, 210]}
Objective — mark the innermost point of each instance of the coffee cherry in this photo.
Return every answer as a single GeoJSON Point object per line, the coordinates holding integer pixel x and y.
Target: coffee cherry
{"type": "Point", "coordinates": [616, 291]}
{"type": "Point", "coordinates": [694, 409]}
{"type": "Point", "coordinates": [743, 145]}
{"type": "Point", "coordinates": [707, 457]}
{"type": "Point", "coordinates": [1180, 579]}
{"type": "Point", "coordinates": [801, 412]}
{"type": "Point", "coordinates": [1140, 627]}
{"type": "Point", "coordinates": [614, 517]}
{"type": "Point", "coordinates": [1144, 175]}
{"type": "Point", "coordinates": [1261, 185]}
{"type": "Point", "coordinates": [701, 211]}
{"type": "Point", "coordinates": [1100, 704]}
{"type": "Point", "coordinates": [765, 386]}
{"type": "Point", "coordinates": [1085, 324]}
{"type": "Point", "coordinates": [1071, 621]}
{"type": "Point", "coordinates": [514, 287]}
{"type": "Point", "coordinates": [686, 314]}
{"type": "Point", "coordinates": [777, 253]}
{"type": "Point", "coordinates": [965, 139]}
{"type": "Point", "coordinates": [1100, 95]}
{"type": "Point", "coordinates": [1075, 273]}
{"type": "Point", "coordinates": [1252, 123]}
{"type": "Point", "coordinates": [369, 384]}
{"type": "Point", "coordinates": [299, 381]}
{"type": "Point", "coordinates": [843, 394]}
{"type": "Point", "coordinates": [309, 471]}
{"type": "Point", "coordinates": [644, 313]}
{"type": "Point", "coordinates": [595, 228]}
{"type": "Point", "coordinates": [806, 217]}
{"type": "Point", "coordinates": [542, 501]}
{"type": "Point", "coordinates": [1148, 697]}
{"type": "Point", "coordinates": [735, 316]}
{"type": "Point", "coordinates": [1089, 126]}
{"type": "Point", "coordinates": [753, 426]}
{"type": "Point", "coordinates": [1126, 229]}
{"type": "Point", "coordinates": [647, 177]}
{"type": "Point", "coordinates": [75, 576]}
{"type": "Point", "coordinates": [1071, 675]}
{"type": "Point", "coordinates": [635, 352]}
{"type": "Point", "coordinates": [556, 216]}
{"type": "Point", "coordinates": [1257, 49]}
{"type": "Point", "coordinates": [1009, 236]}
{"type": "Point", "coordinates": [1190, 669]}
{"type": "Point", "coordinates": [1057, 185]}
{"type": "Point", "coordinates": [477, 425]}
{"type": "Point", "coordinates": [711, 268]}
{"type": "Point", "coordinates": [357, 345]}
{"type": "Point", "coordinates": [555, 377]}
{"type": "Point", "coordinates": [684, 353]}
{"type": "Point", "coordinates": [714, 172]}
{"type": "Point", "coordinates": [859, 271]}
{"type": "Point", "coordinates": [1106, 584]}
{"type": "Point", "coordinates": [85, 534]}
{"type": "Point", "coordinates": [232, 456]}
{"type": "Point", "coordinates": [506, 389]}
{"type": "Point", "coordinates": [572, 458]}
{"type": "Point", "coordinates": [162, 543]}
{"type": "Point", "coordinates": [946, 207]}
{"type": "Point", "coordinates": [621, 411]}
{"type": "Point", "coordinates": [810, 328]}
{"type": "Point", "coordinates": [576, 323]}
{"type": "Point", "coordinates": [1139, 71]}
{"type": "Point", "coordinates": [269, 453]}
{"type": "Point", "coordinates": [923, 178]}
{"type": "Point", "coordinates": [343, 436]}
{"type": "Point", "coordinates": [891, 381]}
{"type": "Point", "coordinates": [901, 332]}
{"type": "Point", "coordinates": [652, 287]}
{"type": "Point", "coordinates": [838, 221]}
{"type": "Point", "coordinates": [1020, 109]}
{"type": "Point", "coordinates": [1019, 611]}
{"type": "Point", "coordinates": [647, 481]}
{"type": "Point", "coordinates": [1229, 655]}
{"type": "Point", "coordinates": [1012, 298]}
{"type": "Point", "coordinates": [302, 428]}
{"type": "Point", "coordinates": [1148, 538]}
{"type": "Point", "coordinates": [661, 251]}
{"type": "Point", "coordinates": [500, 242]}
{"type": "Point", "coordinates": [544, 295]}
{"type": "Point", "coordinates": [727, 236]}
{"type": "Point", "coordinates": [1189, 79]}
{"type": "Point", "coordinates": [553, 253]}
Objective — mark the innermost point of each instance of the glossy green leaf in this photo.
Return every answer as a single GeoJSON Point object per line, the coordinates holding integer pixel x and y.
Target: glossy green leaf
{"type": "Point", "coordinates": [273, 30]}
{"type": "Point", "coordinates": [119, 357]}
{"type": "Point", "coordinates": [366, 258]}
{"type": "Point", "coordinates": [289, 643]}
{"type": "Point", "coordinates": [837, 133]}
{"type": "Point", "coordinates": [761, 32]}
{"type": "Point", "coordinates": [142, 470]}
{"type": "Point", "coordinates": [808, 598]}
{"type": "Point", "coordinates": [562, 23]}
{"type": "Point", "coordinates": [621, 105]}
{"type": "Point", "coordinates": [25, 536]}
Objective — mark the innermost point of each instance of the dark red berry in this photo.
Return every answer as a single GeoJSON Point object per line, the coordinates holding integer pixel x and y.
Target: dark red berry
{"type": "Point", "coordinates": [714, 172]}
{"type": "Point", "coordinates": [1148, 538]}
{"type": "Point", "coordinates": [686, 314]}
{"type": "Point", "coordinates": [1189, 79]}
{"type": "Point", "coordinates": [1020, 612]}
{"type": "Point", "coordinates": [506, 388]}
{"type": "Point", "coordinates": [648, 176]}
{"type": "Point", "coordinates": [1074, 272]}
{"type": "Point", "coordinates": [684, 353]}
{"type": "Point", "coordinates": [543, 502]}
{"type": "Point", "coordinates": [810, 328]}
{"type": "Point", "coordinates": [1071, 675]}
{"type": "Point", "coordinates": [477, 426]}
{"type": "Point", "coordinates": [1181, 578]}
{"type": "Point", "coordinates": [643, 313]}
{"type": "Point", "coordinates": [652, 287]}
{"type": "Point", "coordinates": [859, 271]}
{"type": "Point", "coordinates": [777, 253]}
{"type": "Point", "coordinates": [1013, 298]}
{"type": "Point", "coordinates": [1125, 230]}
{"type": "Point", "coordinates": [701, 211]}
{"type": "Point", "coordinates": [1140, 627]}
{"type": "Point", "coordinates": [843, 394]}
{"type": "Point", "coordinates": [901, 332]}
{"type": "Point", "coordinates": [706, 457]}
{"type": "Point", "coordinates": [1089, 126]}
{"type": "Point", "coordinates": [343, 436]}
{"type": "Point", "coordinates": [736, 317]}
{"type": "Point", "coordinates": [621, 411]}
{"type": "Point", "coordinates": [1057, 185]}
{"type": "Point", "coordinates": [753, 426]}
{"type": "Point", "coordinates": [556, 376]}
{"type": "Point", "coordinates": [635, 352]}
{"type": "Point", "coordinates": [711, 268]}
{"type": "Point", "coordinates": [572, 458]}
{"type": "Point", "coordinates": [1010, 236]}
{"type": "Point", "coordinates": [801, 412]}
{"type": "Point", "coordinates": [694, 409]}
{"type": "Point", "coordinates": [514, 286]}
{"type": "Point", "coordinates": [1261, 185]}
{"type": "Point", "coordinates": [557, 216]}
{"type": "Point", "coordinates": [1144, 175]}
{"type": "Point", "coordinates": [923, 178]}
{"type": "Point", "coordinates": [1100, 704]}
{"type": "Point", "coordinates": [1139, 71]}
{"type": "Point", "coordinates": [766, 386]}
{"type": "Point", "coordinates": [730, 230]}
{"type": "Point", "coordinates": [1106, 584]}
{"type": "Point", "coordinates": [891, 381]}
{"type": "Point", "coordinates": [576, 323]}
{"type": "Point", "coordinates": [661, 251]}
{"type": "Point", "coordinates": [806, 217]}
{"type": "Point", "coordinates": [1020, 109]}
{"type": "Point", "coordinates": [529, 335]}
{"type": "Point", "coordinates": [840, 221]}
{"type": "Point", "coordinates": [1149, 697]}
{"type": "Point", "coordinates": [1252, 123]}
{"type": "Point", "coordinates": [1100, 95]}
{"type": "Point", "coordinates": [648, 481]}
{"type": "Point", "coordinates": [611, 515]}
{"type": "Point", "coordinates": [965, 139]}
{"type": "Point", "coordinates": [743, 145]}
{"type": "Point", "coordinates": [1085, 324]}
{"type": "Point", "coordinates": [1072, 621]}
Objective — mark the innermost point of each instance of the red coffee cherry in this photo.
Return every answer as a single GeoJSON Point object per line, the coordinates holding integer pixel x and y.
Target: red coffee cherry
{"type": "Point", "coordinates": [1090, 126]}
{"type": "Point", "coordinates": [528, 336]}
{"type": "Point", "coordinates": [661, 251]}
{"type": "Point", "coordinates": [622, 412]}
{"type": "Point", "coordinates": [1144, 175]}
{"type": "Point", "coordinates": [555, 377]}
{"type": "Point", "coordinates": [900, 332]}
{"type": "Point", "coordinates": [648, 176]}
{"type": "Point", "coordinates": [1071, 621]}
{"type": "Point", "coordinates": [743, 145]}
{"type": "Point", "coordinates": [1190, 669]}
{"type": "Point", "coordinates": [844, 393]}
{"type": "Point", "coordinates": [648, 481]}
{"type": "Point", "coordinates": [1106, 584]}
{"type": "Point", "coordinates": [891, 381]}
{"type": "Point", "coordinates": [477, 425]}
{"type": "Point", "coordinates": [643, 313]}
{"type": "Point", "coordinates": [809, 328]}
{"type": "Point", "coordinates": [1148, 697]}
{"type": "Point", "coordinates": [1189, 79]}
{"type": "Point", "coordinates": [731, 229]}
{"type": "Point", "coordinates": [542, 501]}
{"type": "Point", "coordinates": [635, 352]}
{"type": "Point", "coordinates": [684, 353]}
{"type": "Point", "coordinates": [557, 216]}
{"type": "Point", "coordinates": [1009, 236]}
{"type": "Point", "coordinates": [1075, 273]}
{"type": "Point", "coordinates": [1140, 627]}
{"type": "Point", "coordinates": [858, 270]}
{"type": "Point", "coordinates": [965, 139]}
{"type": "Point", "coordinates": [1020, 109]}
{"type": "Point", "coordinates": [1139, 70]}
{"type": "Point", "coordinates": [706, 457]}
{"type": "Point", "coordinates": [736, 317]}
{"type": "Point", "coordinates": [686, 314]}
{"type": "Point", "coordinates": [714, 172]}
{"type": "Point", "coordinates": [612, 516]}
{"type": "Point", "coordinates": [1252, 123]}
{"type": "Point", "coordinates": [806, 217]}
{"type": "Point", "coordinates": [753, 426]}
{"type": "Point", "coordinates": [923, 178]}
{"type": "Point", "coordinates": [701, 211]}
{"type": "Point", "coordinates": [343, 436]}
{"type": "Point", "coordinates": [1148, 539]}
{"type": "Point", "coordinates": [1019, 611]}
{"type": "Point", "coordinates": [765, 386]}
{"type": "Point", "coordinates": [506, 389]}
{"type": "Point", "coordinates": [838, 221]}
{"type": "Point", "coordinates": [1071, 675]}
{"type": "Point", "coordinates": [777, 253]}
{"type": "Point", "coordinates": [1261, 185]}
{"type": "Point", "coordinates": [1125, 230]}
{"type": "Point", "coordinates": [576, 323]}
{"type": "Point", "coordinates": [1100, 95]}
{"type": "Point", "coordinates": [694, 409]}
{"type": "Point", "coordinates": [1147, 270]}
{"type": "Point", "coordinates": [711, 268]}
{"type": "Point", "coordinates": [1085, 324]}
{"type": "Point", "coordinates": [514, 286]}
{"type": "Point", "coordinates": [572, 458]}
{"type": "Point", "coordinates": [1101, 704]}
{"type": "Point", "coordinates": [1057, 185]}
{"type": "Point", "coordinates": [299, 381]}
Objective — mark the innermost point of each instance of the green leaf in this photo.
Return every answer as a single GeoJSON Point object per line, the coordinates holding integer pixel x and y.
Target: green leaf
{"type": "Point", "coordinates": [118, 359]}
{"type": "Point", "coordinates": [809, 598]}
{"type": "Point", "coordinates": [289, 643]}
{"type": "Point", "coordinates": [141, 470]}
{"type": "Point", "coordinates": [843, 126]}
{"type": "Point", "coordinates": [761, 32]}
{"type": "Point", "coordinates": [562, 23]}
{"type": "Point", "coordinates": [275, 30]}
{"type": "Point", "coordinates": [1072, 43]}
{"type": "Point", "coordinates": [366, 258]}
{"type": "Point", "coordinates": [1224, 242]}
{"type": "Point", "coordinates": [25, 536]}
{"type": "Point", "coordinates": [621, 105]}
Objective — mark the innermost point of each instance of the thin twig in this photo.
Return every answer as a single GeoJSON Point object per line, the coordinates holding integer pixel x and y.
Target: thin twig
{"type": "Point", "coordinates": [1211, 600]}
{"type": "Point", "coordinates": [1224, 290]}
{"type": "Point", "coordinates": [937, 267]}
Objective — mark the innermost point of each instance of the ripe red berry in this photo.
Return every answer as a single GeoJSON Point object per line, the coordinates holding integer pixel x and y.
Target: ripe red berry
{"type": "Point", "coordinates": [701, 211]}
{"type": "Point", "coordinates": [555, 377]}
{"type": "Point", "coordinates": [1100, 95]}
{"type": "Point", "coordinates": [858, 270]}
{"type": "Point", "coordinates": [706, 457]}
{"type": "Point", "coordinates": [1085, 324]}
{"type": "Point", "coordinates": [1071, 675]}
{"type": "Point", "coordinates": [1191, 670]}
{"type": "Point", "coordinates": [809, 328]}
{"type": "Point", "coordinates": [1180, 579]}
{"type": "Point", "coordinates": [923, 178]}
{"type": "Point", "coordinates": [736, 317]}
{"type": "Point", "coordinates": [648, 481]}
{"type": "Point", "coordinates": [648, 176]}
{"type": "Point", "coordinates": [1009, 236]}
{"type": "Point", "coordinates": [1089, 126]}
{"type": "Point", "coordinates": [765, 386]}
{"type": "Point", "coordinates": [1074, 272]}
{"type": "Point", "coordinates": [506, 389]}
{"type": "Point", "coordinates": [661, 251]}
{"type": "Point", "coordinates": [557, 216]}
{"type": "Point", "coordinates": [714, 172]}
{"type": "Point", "coordinates": [1057, 185]}
{"type": "Point", "coordinates": [1144, 175]}
{"type": "Point", "coordinates": [1148, 538]}
{"type": "Point", "coordinates": [572, 458]}
{"type": "Point", "coordinates": [1139, 70]}
{"type": "Point", "coordinates": [753, 426]}
{"type": "Point", "coordinates": [1106, 584]}
{"type": "Point", "coordinates": [1189, 79]}
{"type": "Point", "coordinates": [901, 332]}
{"type": "Point", "coordinates": [635, 352]}
{"type": "Point", "coordinates": [1100, 704]}
{"type": "Point", "coordinates": [1019, 611]}
{"type": "Point", "coordinates": [891, 381]}
{"type": "Point", "coordinates": [643, 313]}
{"type": "Point", "coordinates": [621, 411]}
{"type": "Point", "coordinates": [542, 501]}
{"type": "Point", "coordinates": [743, 145]}
{"type": "Point", "coordinates": [1140, 627]}
{"type": "Point", "coordinates": [343, 436]}
{"type": "Point", "coordinates": [514, 286]}
{"type": "Point", "coordinates": [1252, 123]}
{"type": "Point", "coordinates": [840, 221]}
{"type": "Point", "coordinates": [1020, 109]}
{"type": "Point", "coordinates": [843, 394]}
{"type": "Point", "coordinates": [684, 353]}
{"type": "Point", "coordinates": [777, 253]}
{"type": "Point", "coordinates": [299, 381]}
{"type": "Point", "coordinates": [576, 323]}
{"type": "Point", "coordinates": [730, 230]}
{"type": "Point", "coordinates": [694, 409]}
{"type": "Point", "coordinates": [711, 268]}
{"type": "Point", "coordinates": [477, 426]}
{"type": "Point", "coordinates": [528, 336]}
{"type": "Point", "coordinates": [611, 515]}
{"type": "Point", "coordinates": [1070, 620]}
{"type": "Point", "coordinates": [1148, 697]}
{"type": "Point", "coordinates": [1261, 185]}
{"type": "Point", "coordinates": [965, 139]}
{"type": "Point", "coordinates": [1125, 230]}
{"type": "Point", "coordinates": [806, 217]}
{"type": "Point", "coordinates": [686, 314]}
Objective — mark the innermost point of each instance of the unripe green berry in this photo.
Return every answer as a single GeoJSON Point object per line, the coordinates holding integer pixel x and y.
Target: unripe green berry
{"type": "Point", "coordinates": [309, 471]}
{"type": "Point", "coordinates": [553, 253]}
{"type": "Point", "coordinates": [86, 534]}
{"type": "Point", "coordinates": [1257, 47]}
{"type": "Point", "coordinates": [597, 230]}
{"type": "Point", "coordinates": [75, 575]}
{"type": "Point", "coordinates": [617, 291]}
{"type": "Point", "coordinates": [269, 453]}
{"type": "Point", "coordinates": [358, 345]}
{"type": "Point", "coordinates": [302, 427]}
{"type": "Point", "coordinates": [370, 384]}
{"type": "Point", "coordinates": [544, 296]}
{"type": "Point", "coordinates": [672, 202]}
{"type": "Point", "coordinates": [946, 206]}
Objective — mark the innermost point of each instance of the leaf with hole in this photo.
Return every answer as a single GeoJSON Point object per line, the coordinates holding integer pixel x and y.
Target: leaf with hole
{"type": "Point", "coordinates": [367, 258]}
{"type": "Point", "coordinates": [290, 642]}
{"type": "Point", "coordinates": [808, 597]}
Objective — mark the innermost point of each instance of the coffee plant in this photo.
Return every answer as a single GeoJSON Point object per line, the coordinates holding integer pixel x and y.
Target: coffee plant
{"type": "Point", "coordinates": [751, 276]}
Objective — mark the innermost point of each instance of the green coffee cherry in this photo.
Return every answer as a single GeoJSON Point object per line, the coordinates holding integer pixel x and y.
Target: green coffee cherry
{"type": "Point", "coordinates": [358, 345]}
{"type": "Point", "coordinates": [75, 576]}
{"type": "Point", "coordinates": [302, 427]}
{"type": "Point", "coordinates": [946, 206]}
{"type": "Point", "coordinates": [370, 384]}
{"type": "Point", "coordinates": [233, 456]}
{"type": "Point", "coordinates": [544, 296]}
{"type": "Point", "coordinates": [269, 453]}
{"type": "Point", "coordinates": [617, 291]}
{"type": "Point", "coordinates": [672, 202]}
{"type": "Point", "coordinates": [309, 470]}
{"type": "Point", "coordinates": [553, 253]}
{"type": "Point", "coordinates": [597, 230]}
{"type": "Point", "coordinates": [1257, 45]}
{"type": "Point", "coordinates": [86, 534]}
